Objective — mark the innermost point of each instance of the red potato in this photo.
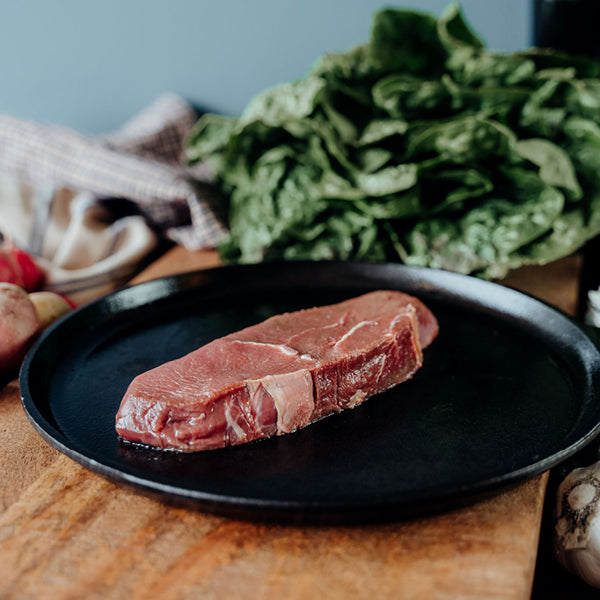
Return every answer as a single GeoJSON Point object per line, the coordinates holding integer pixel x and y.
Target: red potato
{"type": "Point", "coordinates": [22, 317]}
{"type": "Point", "coordinates": [19, 324]}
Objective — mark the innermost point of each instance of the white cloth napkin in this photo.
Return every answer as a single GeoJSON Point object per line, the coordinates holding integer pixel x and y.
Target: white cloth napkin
{"type": "Point", "coordinates": [91, 210]}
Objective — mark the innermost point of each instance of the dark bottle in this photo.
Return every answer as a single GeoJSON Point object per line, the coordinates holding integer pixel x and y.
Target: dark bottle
{"type": "Point", "coordinates": [570, 25]}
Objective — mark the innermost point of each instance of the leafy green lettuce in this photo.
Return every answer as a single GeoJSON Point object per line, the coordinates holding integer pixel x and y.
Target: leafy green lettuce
{"type": "Point", "coordinates": [419, 146]}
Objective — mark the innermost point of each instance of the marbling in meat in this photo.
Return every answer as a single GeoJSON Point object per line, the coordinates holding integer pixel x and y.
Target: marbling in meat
{"type": "Point", "coordinates": [280, 375]}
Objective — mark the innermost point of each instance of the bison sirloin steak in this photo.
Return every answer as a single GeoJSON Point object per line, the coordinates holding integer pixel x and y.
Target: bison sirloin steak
{"type": "Point", "coordinates": [279, 375]}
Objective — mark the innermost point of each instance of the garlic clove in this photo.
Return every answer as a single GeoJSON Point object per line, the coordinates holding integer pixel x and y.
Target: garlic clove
{"type": "Point", "coordinates": [577, 529]}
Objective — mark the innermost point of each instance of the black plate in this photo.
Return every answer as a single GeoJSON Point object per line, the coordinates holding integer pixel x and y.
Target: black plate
{"type": "Point", "coordinates": [508, 390]}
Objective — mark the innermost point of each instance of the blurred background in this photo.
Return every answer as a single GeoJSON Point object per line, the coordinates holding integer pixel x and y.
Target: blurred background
{"type": "Point", "coordinates": [92, 65]}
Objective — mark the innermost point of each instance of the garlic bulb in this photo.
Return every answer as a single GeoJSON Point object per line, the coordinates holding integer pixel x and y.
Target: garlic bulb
{"type": "Point", "coordinates": [592, 315]}
{"type": "Point", "coordinates": [577, 530]}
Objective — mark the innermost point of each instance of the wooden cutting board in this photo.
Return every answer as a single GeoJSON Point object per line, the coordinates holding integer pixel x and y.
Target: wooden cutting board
{"type": "Point", "coordinates": [68, 533]}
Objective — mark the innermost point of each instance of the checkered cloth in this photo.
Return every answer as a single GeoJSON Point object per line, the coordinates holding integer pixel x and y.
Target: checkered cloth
{"type": "Point", "coordinates": [91, 209]}
{"type": "Point", "coordinates": [141, 162]}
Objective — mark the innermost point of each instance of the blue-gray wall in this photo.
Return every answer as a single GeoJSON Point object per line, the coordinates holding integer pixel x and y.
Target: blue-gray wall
{"type": "Point", "coordinates": [91, 65]}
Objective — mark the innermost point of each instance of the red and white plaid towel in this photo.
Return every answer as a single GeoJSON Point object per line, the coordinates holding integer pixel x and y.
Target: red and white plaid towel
{"type": "Point", "coordinates": [90, 209]}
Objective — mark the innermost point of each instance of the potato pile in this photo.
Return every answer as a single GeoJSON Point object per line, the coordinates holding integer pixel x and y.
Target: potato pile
{"type": "Point", "coordinates": [24, 310]}
{"type": "Point", "coordinates": [22, 317]}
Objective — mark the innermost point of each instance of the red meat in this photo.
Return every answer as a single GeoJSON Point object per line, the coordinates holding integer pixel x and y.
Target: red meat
{"type": "Point", "coordinates": [280, 375]}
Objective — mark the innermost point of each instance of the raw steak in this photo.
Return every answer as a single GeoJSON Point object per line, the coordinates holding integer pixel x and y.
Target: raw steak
{"type": "Point", "coordinates": [280, 375]}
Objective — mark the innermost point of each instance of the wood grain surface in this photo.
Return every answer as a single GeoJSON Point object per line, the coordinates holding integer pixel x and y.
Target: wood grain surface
{"type": "Point", "coordinates": [68, 533]}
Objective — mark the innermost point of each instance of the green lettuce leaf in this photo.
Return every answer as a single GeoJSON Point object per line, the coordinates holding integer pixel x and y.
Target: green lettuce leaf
{"type": "Point", "coordinates": [420, 146]}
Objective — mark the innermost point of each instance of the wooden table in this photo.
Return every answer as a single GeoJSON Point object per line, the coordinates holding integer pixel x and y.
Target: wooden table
{"type": "Point", "coordinates": [68, 533]}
